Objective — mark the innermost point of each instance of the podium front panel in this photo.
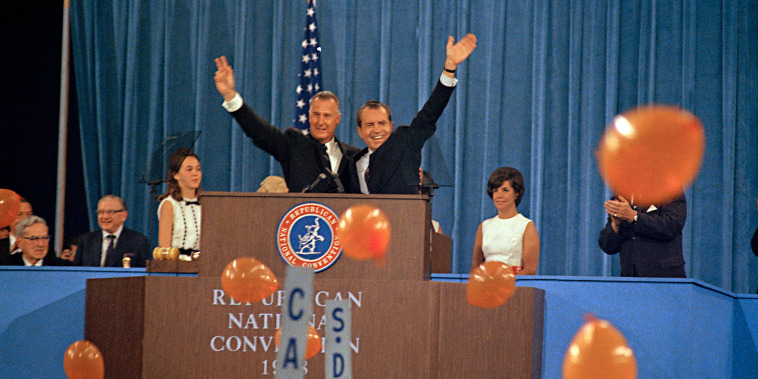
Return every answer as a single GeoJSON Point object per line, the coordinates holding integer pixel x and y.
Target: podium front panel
{"type": "Point", "coordinates": [188, 328]}
{"type": "Point", "coordinates": [191, 329]}
{"type": "Point", "coordinates": [501, 342]}
{"type": "Point", "coordinates": [247, 224]}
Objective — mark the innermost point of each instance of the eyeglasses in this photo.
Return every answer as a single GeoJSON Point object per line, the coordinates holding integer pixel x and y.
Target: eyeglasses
{"type": "Point", "coordinates": [101, 212]}
{"type": "Point", "coordinates": [38, 238]}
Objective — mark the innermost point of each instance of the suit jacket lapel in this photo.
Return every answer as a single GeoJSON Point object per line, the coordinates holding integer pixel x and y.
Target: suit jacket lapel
{"type": "Point", "coordinates": [118, 250]}
{"type": "Point", "coordinates": [355, 158]}
{"type": "Point", "coordinates": [345, 158]}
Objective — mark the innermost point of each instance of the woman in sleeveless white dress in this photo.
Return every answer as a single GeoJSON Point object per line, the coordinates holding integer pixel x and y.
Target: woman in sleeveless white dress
{"type": "Point", "coordinates": [509, 237]}
{"type": "Point", "coordinates": [179, 209]}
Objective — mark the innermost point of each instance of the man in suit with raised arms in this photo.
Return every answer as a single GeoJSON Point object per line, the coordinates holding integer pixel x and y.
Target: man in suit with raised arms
{"type": "Point", "coordinates": [316, 161]}
{"type": "Point", "coordinates": [390, 162]}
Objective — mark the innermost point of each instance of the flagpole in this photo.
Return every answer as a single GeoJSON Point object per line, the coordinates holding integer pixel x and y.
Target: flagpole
{"type": "Point", "coordinates": [60, 194]}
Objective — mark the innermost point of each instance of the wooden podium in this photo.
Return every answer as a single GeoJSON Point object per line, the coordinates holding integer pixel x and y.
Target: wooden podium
{"type": "Point", "coordinates": [402, 325]}
{"type": "Point", "coordinates": [245, 224]}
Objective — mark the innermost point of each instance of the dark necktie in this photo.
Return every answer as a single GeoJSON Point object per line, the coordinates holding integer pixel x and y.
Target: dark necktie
{"type": "Point", "coordinates": [325, 158]}
{"type": "Point", "coordinates": [109, 250]}
{"type": "Point", "coordinates": [366, 175]}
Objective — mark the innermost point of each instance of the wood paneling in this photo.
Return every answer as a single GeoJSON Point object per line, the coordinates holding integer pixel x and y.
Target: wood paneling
{"type": "Point", "coordinates": [403, 329]}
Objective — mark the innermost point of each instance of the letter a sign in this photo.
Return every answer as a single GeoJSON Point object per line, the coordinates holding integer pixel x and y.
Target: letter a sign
{"type": "Point", "coordinates": [296, 312]}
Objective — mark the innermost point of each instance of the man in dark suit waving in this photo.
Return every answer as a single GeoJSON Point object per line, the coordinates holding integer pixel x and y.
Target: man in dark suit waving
{"type": "Point", "coordinates": [316, 162]}
{"type": "Point", "coordinates": [110, 245]}
{"type": "Point", "coordinates": [390, 162]}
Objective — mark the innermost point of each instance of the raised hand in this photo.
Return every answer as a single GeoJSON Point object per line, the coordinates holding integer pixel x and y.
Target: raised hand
{"type": "Point", "coordinates": [458, 52]}
{"type": "Point", "coordinates": [224, 78]}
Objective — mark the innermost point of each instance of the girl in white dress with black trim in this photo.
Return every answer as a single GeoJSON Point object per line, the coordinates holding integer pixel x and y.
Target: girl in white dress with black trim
{"type": "Point", "coordinates": [508, 237]}
{"type": "Point", "coordinates": [179, 208]}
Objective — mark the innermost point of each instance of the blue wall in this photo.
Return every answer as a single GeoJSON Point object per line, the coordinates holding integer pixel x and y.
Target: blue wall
{"type": "Point", "coordinates": [680, 327]}
{"type": "Point", "coordinates": [677, 328]}
{"type": "Point", "coordinates": [42, 313]}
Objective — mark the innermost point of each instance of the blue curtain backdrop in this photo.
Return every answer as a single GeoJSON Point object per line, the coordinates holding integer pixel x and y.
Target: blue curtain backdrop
{"type": "Point", "coordinates": [544, 82]}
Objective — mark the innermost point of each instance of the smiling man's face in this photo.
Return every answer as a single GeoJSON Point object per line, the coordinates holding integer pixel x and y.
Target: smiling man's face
{"type": "Point", "coordinates": [324, 116]}
{"type": "Point", "coordinates": [375, 127]}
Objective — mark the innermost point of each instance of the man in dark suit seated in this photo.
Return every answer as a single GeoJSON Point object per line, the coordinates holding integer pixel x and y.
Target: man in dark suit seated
{"type": "Point", "coordinates": [110, 245]}
{"type": "Point", "coordinates": [34, 242]}
{"type": "Point", "coordinates": [392, 157]}
{"type": "Point", "coordinates": [649, 238]}
{"type": "Point", "coordinates": [316, 162]}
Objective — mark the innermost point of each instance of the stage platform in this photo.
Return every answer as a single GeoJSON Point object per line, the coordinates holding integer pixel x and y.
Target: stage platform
{"type": "Point", "coordinates": [677, 327]}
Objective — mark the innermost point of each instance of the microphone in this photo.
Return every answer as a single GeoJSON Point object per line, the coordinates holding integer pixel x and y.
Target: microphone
{"type": "Point", "coordinates": [313, 185]}
{"type": "Point", "coordinates": [338, 182]}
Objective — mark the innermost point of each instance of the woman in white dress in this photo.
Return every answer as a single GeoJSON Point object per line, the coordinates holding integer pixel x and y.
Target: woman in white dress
{"type": "Point", "coordinates": [508, 237]}
{"type": "Point", "coordinates": [179, 209]}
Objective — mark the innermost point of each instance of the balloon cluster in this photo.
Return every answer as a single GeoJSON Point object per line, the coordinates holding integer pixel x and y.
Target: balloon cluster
{"type": "Point", "coordinates": [599, 350]}
{"type": "Point", "coordinates": [83, 360]}
{"type": "Point", "coordinates": [312, 347]}
{"type": "Point", "coordinates": [490, 285]}
{"type": "Point", "coordinates": [248, 279]}
{"type": "Point", "coordinates": [364, 232]}
{"type": "Point", "coordinates": [9, 205]}
{"type": "Point", "coordinates": [650, 154]}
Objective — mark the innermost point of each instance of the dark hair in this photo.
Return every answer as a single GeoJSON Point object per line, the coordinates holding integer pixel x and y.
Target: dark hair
{"type": "Point", "coordinates": [73, 241]}
{"type": "Point", "coordinates": [373, 104]}
{"type": "Point", "coordinates": [174, 165]}
{"type": "Point", "coordinates": [326, 95]}
{"type": "Point", "coordinates": [503, 174]}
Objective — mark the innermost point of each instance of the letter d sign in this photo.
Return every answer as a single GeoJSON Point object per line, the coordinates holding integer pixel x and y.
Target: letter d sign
{"type": "Point", "coordinates": [338, 325]}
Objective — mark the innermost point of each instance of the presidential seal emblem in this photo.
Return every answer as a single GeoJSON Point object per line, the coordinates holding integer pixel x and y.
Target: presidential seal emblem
{"type": "Point", "coordinates": [306, 236]}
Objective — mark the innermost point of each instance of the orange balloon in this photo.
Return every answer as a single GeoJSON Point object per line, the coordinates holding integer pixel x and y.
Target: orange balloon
{"type": "Point", "coordinates": [599, 350]}
{"type": "Point", "coordinates": [83, 360]}
{"type": "Point", "coordinates": [364, 232]}
{"type": "Point", "coordinates": [248, 279]}
{"type": "Point", "coordinates": [312, 347]}
{"type": "Point", "coordinates": [9, 205]}
{"type": "Point", "coordinates": [650, 154]}
{"type": "Point", "coordinates": [490, 285]}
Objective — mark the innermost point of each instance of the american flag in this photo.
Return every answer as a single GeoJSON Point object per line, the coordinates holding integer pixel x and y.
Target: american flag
{"type": "Point", "coordinates": [310, 69]}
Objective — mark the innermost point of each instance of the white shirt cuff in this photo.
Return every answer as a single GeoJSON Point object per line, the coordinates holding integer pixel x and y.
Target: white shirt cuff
{"type": "Point", "coordinates": [234, 104]}
{"type": "Point", "coordinates": [448, 81]}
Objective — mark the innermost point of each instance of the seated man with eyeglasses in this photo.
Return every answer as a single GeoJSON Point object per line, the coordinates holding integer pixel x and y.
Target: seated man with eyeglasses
{"type": "Point", "coordinates": [34, 242]}
{"type": "Point", "coordinates": [109, 246]}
